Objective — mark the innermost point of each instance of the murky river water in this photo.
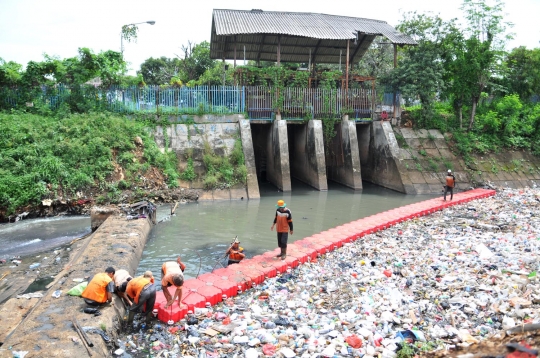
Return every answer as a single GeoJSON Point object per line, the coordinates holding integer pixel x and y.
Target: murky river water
{"type": "Point", "coordinates": [201, 232]}
{"type": "Point", "coordinates": [28, 237]}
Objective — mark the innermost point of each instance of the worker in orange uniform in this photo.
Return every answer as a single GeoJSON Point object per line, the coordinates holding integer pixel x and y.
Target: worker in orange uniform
{"type": "Point", "coordinates": [450, 184]}
{"type": "Point", "coordinates": [235, 252]}
{"type": "Point", "coordinates": [121, 279]}
{"type": "Point", "coordinates": [283, 220]}
{"type": "Point", "coordinates": [172, 275]}
{"type": "Point", "coordinates": [142, 291]}
{"type": "Point", "coordinates": [149, 275]}
{"type": "Point", "coordinates": [100, 288]}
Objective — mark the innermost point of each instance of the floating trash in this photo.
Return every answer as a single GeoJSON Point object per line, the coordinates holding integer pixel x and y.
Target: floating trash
{"type": "Point", "coordinates": [458, 275]}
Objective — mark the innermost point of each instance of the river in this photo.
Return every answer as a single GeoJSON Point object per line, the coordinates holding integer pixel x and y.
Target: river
{"type": "Point", "coordinates": [201, 232]}
{"type": "Point", "coordinates": [30, 237]}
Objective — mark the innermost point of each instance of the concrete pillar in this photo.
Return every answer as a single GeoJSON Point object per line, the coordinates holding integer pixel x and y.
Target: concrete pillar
{"type": "Point", "coordinates": [307, 154]}
{"type": "Point", "coordinates": [249, 155]}
{"type": "Point", "coordinates": [278, 171]}
{"type": "Point", "coordinates": [384, 167]}
{"type": "Point", "coordinates": [345, 167]}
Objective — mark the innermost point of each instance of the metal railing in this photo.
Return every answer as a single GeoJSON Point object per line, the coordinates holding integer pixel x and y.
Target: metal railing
{"type": "Point", "coordinates": [259, 102]}
{"type": "Point", "coordinates": [308, 103]}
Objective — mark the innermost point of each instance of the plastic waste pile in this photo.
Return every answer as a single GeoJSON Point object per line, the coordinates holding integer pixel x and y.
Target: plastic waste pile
{"type": "Point", "coordinates": [449, 279]}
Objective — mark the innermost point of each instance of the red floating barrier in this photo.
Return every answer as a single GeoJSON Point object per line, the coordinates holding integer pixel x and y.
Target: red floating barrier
{"type": "Point", "coordinates": [252, 273]}
{"type": "Point", "coordinates": [296, 252]}
{"type": "Point", "coordinates": [193, 284]}
{"type": "Point", "coordinates": [173, 313]}
{"type": "Point", "coordinates": [227, 287]}
{"type": "Point", "coordinates": [310, 252]}
{"type": "Point", "coordinates": [224, 271]}
{"type": "Point", "coordinates": [193, 299]}
{"type": "Point", "coordinates": [211, 293]}
{"type": "Point", "coordinates": [260, 264]}
{"type": "Point", "coordinates": [277, 263]}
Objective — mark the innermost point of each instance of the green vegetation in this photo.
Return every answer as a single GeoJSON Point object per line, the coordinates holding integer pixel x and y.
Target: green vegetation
{"type": "Point", "coordinates": [406, 351]}
{"type": "Point", "coordinates": [462, 70]}
{"type": "Point", "coordinates": [224, 171]}
{"type": "Point", "coordinates": [46, 156]}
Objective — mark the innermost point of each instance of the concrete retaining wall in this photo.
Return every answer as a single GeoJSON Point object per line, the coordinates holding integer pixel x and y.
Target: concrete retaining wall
{"type": "Point", "coordinates": [48, 331]}
{"type": "Point", "coordinates": [416, 161]}
{"type": "Point", "coordinates": [189, 140]}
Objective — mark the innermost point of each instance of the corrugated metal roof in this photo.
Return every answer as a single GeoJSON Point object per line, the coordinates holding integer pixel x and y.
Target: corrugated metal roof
{"type": "Point", "coordinates": [319, 26]}
{"type": "Point", "coordinates": [299, 34]}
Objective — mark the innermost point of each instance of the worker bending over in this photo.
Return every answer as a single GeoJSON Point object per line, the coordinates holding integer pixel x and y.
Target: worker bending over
{"type": "Point", "coordinates": [142, 291]}
{"type": "Point", "coordinates": [172, 275]}
{"type": "Point", "coordinates": [121, 279]}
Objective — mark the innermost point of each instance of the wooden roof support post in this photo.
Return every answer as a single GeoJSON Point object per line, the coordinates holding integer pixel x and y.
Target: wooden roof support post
{"type": "Point", "coordinates": [234, 51]}
{"type": "Point", "coordinates": [372, 100]}
{"type": "Point", "coordinates": [347, 77]}
{"type": "Point", "coordinates": [395, 94]}
{"type": "Point", "coordinates": [279, 51]}
{"type": "Point", "coordinates": [259, 50]}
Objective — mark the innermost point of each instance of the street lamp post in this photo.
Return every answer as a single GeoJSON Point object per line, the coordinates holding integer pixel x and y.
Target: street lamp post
{"type": "Point", "coordinates": [122, 34]}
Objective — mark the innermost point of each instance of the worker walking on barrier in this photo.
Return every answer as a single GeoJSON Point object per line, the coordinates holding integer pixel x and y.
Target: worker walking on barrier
{"type": "Point", "coordinates": [142, 291]}
{"type": "Point", "coordinates": [450, 184]}
{"type": "Point", "coordinates": [172, 275]}
{"type": "Point", "coordinates": [283, 220]}
{"type": "Point", "coordinates": [235, 252]}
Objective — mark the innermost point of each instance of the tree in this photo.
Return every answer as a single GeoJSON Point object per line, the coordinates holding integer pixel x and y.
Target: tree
{"type": "Point", "coordinates": [10, 73]}
{"type": "Point", "coordinates": [159, 71]}
{"type": "Point", "coordinates": [420, 73]}
{"type": "Point", "coordinates": [196, 60]}
{"type": "Point", "coordinates": [523, 72]}
{"type": "Point", "coordinates": [378, 59]}
{"type": "Point", "coordinates": [484, 44]}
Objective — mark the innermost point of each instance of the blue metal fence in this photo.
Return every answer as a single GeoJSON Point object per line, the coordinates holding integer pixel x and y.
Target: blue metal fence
{"type": "Point", "coordinates": [174, 100]}
{"type": "Point", "coordinates": [258, 102]}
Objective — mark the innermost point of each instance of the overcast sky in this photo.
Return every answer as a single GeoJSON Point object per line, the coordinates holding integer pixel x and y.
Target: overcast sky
{"type": "Point", "coordinates": [30, 28]}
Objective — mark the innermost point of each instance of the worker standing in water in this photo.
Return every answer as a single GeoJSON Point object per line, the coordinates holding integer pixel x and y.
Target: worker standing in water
{"type": "Point", "coordinates": [235, 252]}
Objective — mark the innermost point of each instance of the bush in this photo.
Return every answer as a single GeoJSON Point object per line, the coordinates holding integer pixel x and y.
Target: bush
{"type": "Point", "coordinates": [41, 154]}
{"type": "Point", "coordinates": [189, 173]}
{"type": "Point", "coordinates": [210, 181]}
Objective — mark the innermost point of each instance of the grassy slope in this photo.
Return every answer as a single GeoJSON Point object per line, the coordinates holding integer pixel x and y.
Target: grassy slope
{"type": "Point", "coordinates": [46, 157]}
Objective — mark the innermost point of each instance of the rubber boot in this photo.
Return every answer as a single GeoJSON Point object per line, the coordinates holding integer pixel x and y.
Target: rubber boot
{"type": "Point", "coordinates": [284, 256]}
{"type": "Point", "coordinates": [149, 317]}
{"type": "Point", "coordinates": [131, 315]}
{"type": "Point", "coordinates": [281, 254]}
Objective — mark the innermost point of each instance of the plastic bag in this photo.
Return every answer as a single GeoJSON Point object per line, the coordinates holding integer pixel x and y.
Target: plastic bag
{"type": "Point", "coordinates": [354, 341]}
{"type": "Point", "coordinates": [78, 290]}
{"type": "Point", "coordinates": [269, 349]}
{"type": "Point", "coordinates": [191, 320]}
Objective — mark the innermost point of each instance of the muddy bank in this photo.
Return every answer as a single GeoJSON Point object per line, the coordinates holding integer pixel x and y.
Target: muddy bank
{"type": "Point", "coordinates": [83, 204]}
{"type": "Point", "coordinates": [48, 329]}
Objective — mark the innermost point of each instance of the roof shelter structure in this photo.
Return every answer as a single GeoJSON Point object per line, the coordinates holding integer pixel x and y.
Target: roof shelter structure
{"type": "Point", "coordinates": [296, 37]}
